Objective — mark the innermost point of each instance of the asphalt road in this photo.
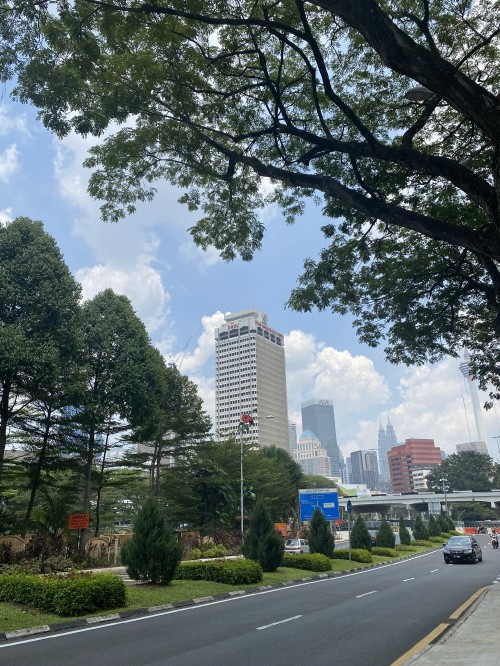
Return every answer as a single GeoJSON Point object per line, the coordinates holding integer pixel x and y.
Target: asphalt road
{"type": "Point", "coordinates": [366, 618]}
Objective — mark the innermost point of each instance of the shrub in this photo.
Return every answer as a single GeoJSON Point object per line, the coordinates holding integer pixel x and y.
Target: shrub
{"type": "Point", "coordinates": [384, 552]}
{"type": "Point", "coordinates": [405, 548]}
{"type": "Point", "coordinates": [215, 551]}
{"type": "Point", "coordinates": [321, 540]}
{"type": "Point", "coordinates": [447, 535]}
{"type": "Point", "coordinates": [437, 539]}
{"type": "Point", "coordinates": [153, 554]}
{"type": "Point", "coordinates": [64, 595]}
{"type": "Point", "coordinates": [360, 537]}
{"type": "Point", "coordinates": [451, 533]}
{"type": "Point", "coordinates": [423, 542]}
{"type": "Point", "coordinates": [313, 562]}
{"type": "Point", "coordinates": [357, 555]}
{"type": "Point", "coordinates": [385, 535]}
{"type": "Point", "coordinates": [195, 554]}
{"type": "Point", "coordinates": [232, 572]}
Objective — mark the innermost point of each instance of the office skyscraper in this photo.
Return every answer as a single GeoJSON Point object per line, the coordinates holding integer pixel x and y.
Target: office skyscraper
{"type": "Point", "coordinates": [319, 418]}
{"type": "Point", "coordinates": [250, 378]}
{"type": "Point", "coordinates": [386, 441]}
{"type": "Point", "coordinates": [365, 468]}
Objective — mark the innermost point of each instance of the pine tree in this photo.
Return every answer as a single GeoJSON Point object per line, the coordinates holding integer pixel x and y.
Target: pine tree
{"type": "Point", "coordinates": [385, 535]}
{"type": "Point", "coordinates": [404, 534]}
{"type": "Point", "coordinates": [261, 543]}
{"type": "Point", "coordinates": [360, 537]}
{"type": "Point", "coordinates": [434, 527]}
{"type": "Point", "coordinates": [420, 531]}
{"type": "Point", "coordinates": [153, 554]}
{"type": "Point", "coordinates": [450, 525]}
{"type": "Point", "coordinates": [442, 523]}
{"type": "Point", "coordinates": [321, 540]}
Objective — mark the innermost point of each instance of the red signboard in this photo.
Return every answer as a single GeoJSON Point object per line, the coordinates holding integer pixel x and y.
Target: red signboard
{"type": "Point", "coordinates": [79, 521]}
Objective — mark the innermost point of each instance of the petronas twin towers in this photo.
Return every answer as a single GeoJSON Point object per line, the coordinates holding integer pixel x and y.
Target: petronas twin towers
{"type": "Point", "coordinates": [386, 440]}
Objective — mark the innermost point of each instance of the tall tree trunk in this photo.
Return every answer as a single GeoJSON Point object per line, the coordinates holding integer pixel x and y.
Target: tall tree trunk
{"type": "Point", "coordinates": [100, 484]}
{"type": "Point", "coordinates": [88, 482]}
{"type": "Point", "coordinates": [38, 472]}
{"type": "Point", "coordinates": [4, 419]}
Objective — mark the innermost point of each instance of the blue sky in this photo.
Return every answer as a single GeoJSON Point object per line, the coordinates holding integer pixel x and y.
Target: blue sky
{"type": "Point", "coordinates": [182, 294]}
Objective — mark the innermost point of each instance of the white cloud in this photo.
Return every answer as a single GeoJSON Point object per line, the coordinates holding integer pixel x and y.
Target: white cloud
{"type": "Point", "coordinates": [192, 254]}
{"type": "Point", "coordinates": [10, 123]}
{"type": "Point", "coordinates": [204, 351]}
{"type": "Point", "coordinates": [6, 216]}
{"type": "Point", "coordinates": [9, 162]}
{"type": "Point", "coordinates": [141, 284]}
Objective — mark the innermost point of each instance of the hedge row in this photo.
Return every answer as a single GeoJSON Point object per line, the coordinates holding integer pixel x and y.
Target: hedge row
{"type": "Point", "coordinates": [384, 552]}
{"type": "Point", "coordinates": [357, 555]}
{"type": "Point", "coordinates": [232, 572]}
{"type": "Point", "coordinates": [313, 562]}
{"type": "Point", "coordinates": [404, 548]}
{"type": "Point", "coordinates": [423, 542]}
{"type": "Point", "coordinates": [64, 595]}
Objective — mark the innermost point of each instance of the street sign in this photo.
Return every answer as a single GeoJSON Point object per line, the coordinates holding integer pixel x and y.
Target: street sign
{"type": "Point", "coordinates": [325, 498]}
{"type": "Point", "coordinates": [79, 521]}
{"type": "Point", "coordinates": [349, 506]}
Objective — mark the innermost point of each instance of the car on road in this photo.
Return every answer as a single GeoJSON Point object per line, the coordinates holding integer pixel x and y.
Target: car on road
{"type": "Point", "coordinates": [296, 547]}
{"type": "Point", "coordinates": [462, 549]}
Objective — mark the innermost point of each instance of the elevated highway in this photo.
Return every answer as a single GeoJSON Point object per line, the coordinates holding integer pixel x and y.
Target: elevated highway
{"type": "Point", "coordinates": [421, 502]}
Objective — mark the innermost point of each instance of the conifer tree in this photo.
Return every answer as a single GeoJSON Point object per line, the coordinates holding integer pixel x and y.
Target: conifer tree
{"type": "Point", "coordinates": [153, 554]}
{"type": "Point", "coordinates": [434, 527]}
{"type": "Point", "coordinates": [420, 531]}
{"type": "Point", "coordinates": [360, 537]}
{"type": "Point", "coordinates": [261, 542]}
{"type": "Point", "coordinates": [404, 534]}
{"type": "Point", "coordinates": [450, 525]}
{"type": "Point", "coordinates": [385, 535]}
{"type": "Point", "coordinates": [321, 540]}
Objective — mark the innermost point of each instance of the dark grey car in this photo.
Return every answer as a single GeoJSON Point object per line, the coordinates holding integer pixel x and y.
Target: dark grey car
{"type": "Point", "coordinates": [462, 549]}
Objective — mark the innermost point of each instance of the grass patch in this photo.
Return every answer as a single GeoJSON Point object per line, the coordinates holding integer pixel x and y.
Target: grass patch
{"type": "Point", "coordinates": [13, 616]}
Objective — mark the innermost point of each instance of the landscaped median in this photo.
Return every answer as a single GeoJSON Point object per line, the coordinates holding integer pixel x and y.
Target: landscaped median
{"type": "Point", "coordinates": [188, 590]}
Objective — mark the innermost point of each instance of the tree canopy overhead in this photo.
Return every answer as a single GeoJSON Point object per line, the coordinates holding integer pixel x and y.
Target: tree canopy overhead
{"type": "Point", "coordinates": [215, 97]}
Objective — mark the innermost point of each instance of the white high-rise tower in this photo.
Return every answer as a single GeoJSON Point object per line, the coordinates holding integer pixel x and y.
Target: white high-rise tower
{"type": "Point", "coordinates": [476, 407]}
{"type": "Point", "coordinates": [250, 379]}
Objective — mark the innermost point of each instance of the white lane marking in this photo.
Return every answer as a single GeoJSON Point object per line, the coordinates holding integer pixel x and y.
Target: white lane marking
{"type": "Point", "coordinates": [142, 618]}
{"type": "Point", "coordinates": [405, 580]}
{"type": "Point", "coordinates": [273, 624]}
{"type": "Point", "coordinates": [365, 594]}
{"type": "Point", "coordinates": [434, 570]}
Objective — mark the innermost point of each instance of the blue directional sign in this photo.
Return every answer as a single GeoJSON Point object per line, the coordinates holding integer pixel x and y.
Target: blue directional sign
{"type": "Point", "coordinates": [349, 506]}
{"type": "Point", "coordinates": [326, 499]}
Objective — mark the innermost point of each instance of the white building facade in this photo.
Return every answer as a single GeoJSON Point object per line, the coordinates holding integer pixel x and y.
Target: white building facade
{"type": "Point", "coordinates": [250, 379]}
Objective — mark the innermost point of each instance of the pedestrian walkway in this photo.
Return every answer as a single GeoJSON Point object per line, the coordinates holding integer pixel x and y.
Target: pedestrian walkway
{"type": "Point", "coordinates": [471, 638]}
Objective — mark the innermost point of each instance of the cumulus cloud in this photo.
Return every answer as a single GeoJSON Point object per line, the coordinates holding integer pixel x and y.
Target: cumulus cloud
{"type": "Point", "coordinates": [6, 216]}
{"type": "Point", "coordinates": [12, 123]}
{"type": "Point", "coordinates": [142, 285]}
{"type": "Point", "coordinates": [9, 162]}
{"type": "Point", "coordinates": [202, 259]}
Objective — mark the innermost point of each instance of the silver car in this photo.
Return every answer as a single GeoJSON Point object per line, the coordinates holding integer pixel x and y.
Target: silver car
{"type": "Point", "coordinates": [296, 547]}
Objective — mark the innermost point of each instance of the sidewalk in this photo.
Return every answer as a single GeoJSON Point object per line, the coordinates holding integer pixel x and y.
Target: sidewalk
{"type": "Point", "coordinates": [473, 639]}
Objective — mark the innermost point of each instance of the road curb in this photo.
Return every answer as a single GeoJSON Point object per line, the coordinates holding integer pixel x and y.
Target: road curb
{"type": "Point", "coordinates": [139, 612]}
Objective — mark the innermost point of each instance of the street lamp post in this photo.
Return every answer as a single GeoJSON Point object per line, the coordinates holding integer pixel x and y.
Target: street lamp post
{"type": "Point", "coordinates": [444, 481]}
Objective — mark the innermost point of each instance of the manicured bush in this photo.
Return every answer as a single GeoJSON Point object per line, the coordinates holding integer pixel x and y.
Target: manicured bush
{"type": "Point", "coordinates": [64, 595]}
{"type": "Point", "coordinates": [153, 554]}
{"type": "Point", "coordinates": [312, 562]}
{"type": "Point", "coordinates": [384, 552]}
{"type": "Point", "coordinates": [232, 572]}
{"type": "Point", "coordinates": [195, 554]}
{"type": "Point", "coordinates": [385, 535]}
{"type": "Point", "coordinates": [215, 551]}
{"type": "Point", "coordinates": [357, 555]}
{"type": "Point", "coordinates": [404, 548]}
{"type": "Point", "coordinates": [437, 539]}
{"type": "Point", "coordinates": [451, 533]}
{"type": "Point", "coordinates": [321, 540]}
{"type": "Point", "coordinates": [423, 542]}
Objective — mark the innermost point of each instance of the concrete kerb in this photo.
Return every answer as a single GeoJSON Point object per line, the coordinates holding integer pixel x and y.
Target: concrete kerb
{"type": "Point", "coordinates": [138, 612]}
